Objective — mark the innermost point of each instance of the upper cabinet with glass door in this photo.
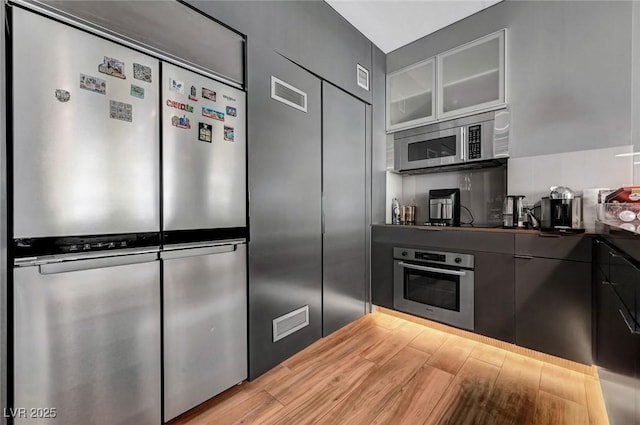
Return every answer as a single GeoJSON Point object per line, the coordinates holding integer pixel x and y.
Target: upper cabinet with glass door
{"type": "Point", "coordinates": [471, 78]}
{"type": "Point", "coordinates": [411, 96]}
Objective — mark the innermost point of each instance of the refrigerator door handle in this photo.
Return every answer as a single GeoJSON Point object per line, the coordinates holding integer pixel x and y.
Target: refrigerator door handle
{"type": "Point", "coordinates": [194, 252]}
{"type": "Point", "coordinates": [96, 263]}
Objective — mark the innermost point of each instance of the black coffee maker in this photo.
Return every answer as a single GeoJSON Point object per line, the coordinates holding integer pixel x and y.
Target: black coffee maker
{"type": "Point", "coordinates": [444, 207]}
{"type": "Point", "coordinates": [561, 210]}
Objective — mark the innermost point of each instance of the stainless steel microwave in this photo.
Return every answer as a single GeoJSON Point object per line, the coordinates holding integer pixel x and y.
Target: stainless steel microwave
{"type": "Point", "coordinates": [470, 140]}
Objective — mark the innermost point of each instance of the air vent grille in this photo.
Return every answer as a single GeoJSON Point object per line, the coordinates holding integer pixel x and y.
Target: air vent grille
{"type": "Point", "coordinates": [289, 323]}
{"type": "Point", "coordinates": [287, 94]}
{"type": "Point", "coordinates": [363, 77]}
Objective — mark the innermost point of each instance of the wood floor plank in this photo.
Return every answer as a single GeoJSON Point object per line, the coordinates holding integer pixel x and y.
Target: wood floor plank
{"type": "Point", "coordinates": [513, 398]}
{"type": "Point", "coordinates": [553, 410]}
{"type": "Point", "coordinates": [235, 395]}
{"type": "Point", "coordinates": [464, 401]}
{"type": "Point", "coordinates": [338, 348]}
{"type": "Point", "coordinates": [595, 402]}
{"type": "Point", "coordinates": [416, 399]}
{"type": "Point", "coordinates": [366, 401]}
{"type": "Point", "coordinates": [386, 348]}
{"type": "Point", "coordinates": [452, 354]}
{"type": "Point", "coordinates": [429, 340]}
{"type": "Point", "coordinates": [250, 411]}
{"type": "Point", "coordinates": [489, 354]}
{"type": "Point", "coordinates": [563, 383]}
{"type": "Point", "coordinates": [387, 321]}
{"type": "Point", "coordinates": [311, 405]}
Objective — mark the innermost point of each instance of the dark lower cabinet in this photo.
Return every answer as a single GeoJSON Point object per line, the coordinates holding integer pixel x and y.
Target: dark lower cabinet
{"type": "Point", "coordinates": [494, 314]}
{"type": "Point", "coordinates": [553, 307]}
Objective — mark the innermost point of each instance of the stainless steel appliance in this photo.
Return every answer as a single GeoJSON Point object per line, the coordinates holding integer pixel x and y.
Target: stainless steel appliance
{"type": "Point", "coordinates": [205, 322]}
{"type": "Point", "coordinates": [88, 247]}
{"type": "Point", "coordinates": [434, 285]}
{"type": "Point", "coordinates": [86, 278]}
{"type": "Point", "coordinates": [204, 228]}
{"type": "Point", "coordinates": [561, 210]}
{"type": "Point", "coordinates": [513, 212]}
{"type": "Point", "coordinates": [444, 207]}
{"type": "Point", "coordinates": [467, 140]}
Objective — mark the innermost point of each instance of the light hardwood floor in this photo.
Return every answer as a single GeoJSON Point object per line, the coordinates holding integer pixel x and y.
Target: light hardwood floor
{"type": "Point", "coordinates": [383, 369]}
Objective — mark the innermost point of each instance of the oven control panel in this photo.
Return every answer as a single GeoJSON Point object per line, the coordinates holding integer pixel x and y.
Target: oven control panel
{"type": "Point", "coordinates": [457, 260]}
{"type": "Point", "coordinates": [474, 142]}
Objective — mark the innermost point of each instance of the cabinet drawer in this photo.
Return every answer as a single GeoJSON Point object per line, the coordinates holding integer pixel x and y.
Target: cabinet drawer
{"type": "Point", "coordinates": [575, 248]}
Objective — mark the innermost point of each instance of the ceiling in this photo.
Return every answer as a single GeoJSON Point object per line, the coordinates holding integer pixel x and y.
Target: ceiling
{"type": "Point", "coordinates": [391, 24]}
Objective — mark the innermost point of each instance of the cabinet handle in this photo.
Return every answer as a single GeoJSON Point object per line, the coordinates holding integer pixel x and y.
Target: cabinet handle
{"type": "Point", "coordinates": [524, 257]}
{"type": "Point", "coordinates": [633, 329]}
{"type": "Point", "coordinates": [606, 282]}
{"type": "Point", "coordinates": [548, 235]}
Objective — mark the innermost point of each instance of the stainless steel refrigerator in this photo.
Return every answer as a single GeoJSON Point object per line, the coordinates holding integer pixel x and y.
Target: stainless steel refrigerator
{"type": "Point", "coordinates": [204, 233]}
{"type": "Point", "coordinates": [86, 227]}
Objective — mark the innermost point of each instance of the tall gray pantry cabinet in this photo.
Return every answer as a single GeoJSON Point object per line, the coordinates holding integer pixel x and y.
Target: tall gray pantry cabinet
{"type": "Point", "coordinates": [307, 208]}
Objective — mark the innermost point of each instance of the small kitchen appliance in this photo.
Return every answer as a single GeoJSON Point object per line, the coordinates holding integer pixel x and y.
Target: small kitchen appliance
{"type": "Point", "coordinates": [561, 210]}
{"type": "Point", "coordinates": [444, 207]}
{"type": "Point", "coordinates": [513, 212]}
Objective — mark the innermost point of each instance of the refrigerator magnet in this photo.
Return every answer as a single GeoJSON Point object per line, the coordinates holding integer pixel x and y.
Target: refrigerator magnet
{"type": "Point", "coordinates": [228, 134]}
{"type": "Point", "coordinates": [180, 122]}
{"type": "Point", "coordinates": [205, 132]}
{"type": "Point", "coordinates": [63, 95]}
{"type": "Point", "coordinates": [142, 72]}
{"type": "Point", "coordinates": [137, 91]}
{"type": "Point", "coordinates": [120, 111]}
{"type": "Point", "coordinates": [179, 105]}
{"type": "Point", "coordinates": [193, 94]}
{"type": "Point", "coordinates": [231, 111]}
{"type": "Point", "coordinates": [229, 98]}
{"type": "Point", "coordinates": [176, 85]}
{"type": "Point", "coordinates": [112, 67]}
{"type": "Point", "coordinates": [94, 84]}
{"type": "Point", "coordinates": [208, 94]}
{"type": "Point", "coordinates": [212, 113]}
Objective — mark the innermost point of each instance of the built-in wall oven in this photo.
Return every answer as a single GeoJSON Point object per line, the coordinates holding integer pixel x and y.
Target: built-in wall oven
{"type": "Point", "coordinates": [435, 285]}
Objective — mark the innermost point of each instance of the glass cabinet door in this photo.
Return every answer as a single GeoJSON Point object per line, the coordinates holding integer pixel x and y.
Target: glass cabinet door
{"type": "Point", "coordinates": [472, 77]}
{"type": "Point", "coordinates": [411, 95]}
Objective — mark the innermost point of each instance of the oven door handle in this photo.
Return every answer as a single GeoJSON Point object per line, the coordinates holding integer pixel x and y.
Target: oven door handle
{"type": "Point", "coordinates": [432, 269]}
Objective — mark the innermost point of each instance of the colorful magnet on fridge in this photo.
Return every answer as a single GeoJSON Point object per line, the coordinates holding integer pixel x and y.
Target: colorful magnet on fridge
{"type": "Point", "coordinates": [137, 91]}
{"type": "Point", "coordinates": [63, 95]}
{"type": "Point", "coordinates": [176, 85]}
{"type": "Point", "coordinates": [193, 94]}
{"type": "Point", "coordinates": [180, 122]}
{"type": "Point", "coordinates": [231, 111]}
{"type": "Point", "coordinates": [228, 134]}
{"type": "Point", "coordinates": [94, 84]}
{"type": "Point", "coordinates": [112, 67]}
{"type": "Point", "coordinates": [142, 72]}
{"type": "Point", "coordinates": [120, 111]}
{"type": "Point", "coordinates": [209, 94]}
{"type": "Point", "coordinates": [212, 113]}
{"type": "Point", "coordinates": [205, 133]}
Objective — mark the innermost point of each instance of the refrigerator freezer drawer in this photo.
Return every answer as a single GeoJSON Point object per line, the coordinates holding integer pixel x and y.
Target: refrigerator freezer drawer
{"type": "Point", "coordinates": [205, 326]}
{"type": "Point", "coordinates": [77, 170]}
{"type": "Point", "coordinates": [204, 152]}
{"type": "Point", "coordinates": [87, 342]}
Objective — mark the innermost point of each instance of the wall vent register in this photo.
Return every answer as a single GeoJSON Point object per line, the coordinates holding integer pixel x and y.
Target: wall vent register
{"type": "Point", "coordinates": [288, 94]}
{"type": "Point", "coordinates": [363, 77]}
{"type": "Point", "coordinates": [291, 322]}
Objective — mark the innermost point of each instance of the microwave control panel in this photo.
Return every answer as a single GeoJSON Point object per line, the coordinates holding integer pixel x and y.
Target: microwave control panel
{"type": "Point", "coordinates": [474, 142]}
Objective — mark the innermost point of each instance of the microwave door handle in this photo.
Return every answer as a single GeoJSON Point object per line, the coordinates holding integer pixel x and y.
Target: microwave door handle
{"type": "Point", "coordinates": [462, 143]}
{"type": "Point", "coordinates": [432, 269]}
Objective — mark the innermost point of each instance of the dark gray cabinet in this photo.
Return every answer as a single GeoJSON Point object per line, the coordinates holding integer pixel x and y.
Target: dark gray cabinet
{"type": "Point", "coordinates": [617, 348]}
{"type": "Point", "coordinates": [343, 194]}
{"type": "Point", "coordinates": [284, 179]}
{"type": "Point", "coordinates": [553, 297]}
{"type": "Point", "coordinates": [495, 296]}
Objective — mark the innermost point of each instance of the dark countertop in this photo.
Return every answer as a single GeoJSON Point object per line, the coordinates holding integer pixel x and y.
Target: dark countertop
{"type": "Point", "coordinates": [482, 229]}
